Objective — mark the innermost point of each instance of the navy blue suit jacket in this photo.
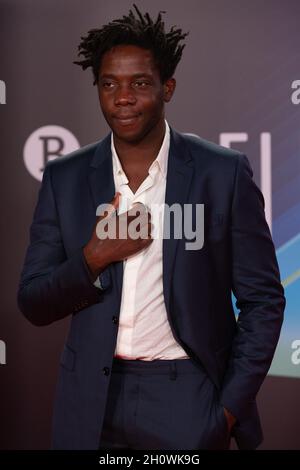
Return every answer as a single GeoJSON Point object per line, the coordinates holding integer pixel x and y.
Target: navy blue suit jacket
{"type": "Point", "coordinates": [238, 256]}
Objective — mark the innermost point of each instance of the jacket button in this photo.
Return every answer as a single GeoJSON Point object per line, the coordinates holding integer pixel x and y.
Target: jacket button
{"type": "Point", "coordinates": [105, 370]}
{"type": "Point", "coordinates": [115, 320]}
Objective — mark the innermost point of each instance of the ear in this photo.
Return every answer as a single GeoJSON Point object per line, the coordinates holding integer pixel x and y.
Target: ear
{"type": "Point", "coordinates": [169, 88]}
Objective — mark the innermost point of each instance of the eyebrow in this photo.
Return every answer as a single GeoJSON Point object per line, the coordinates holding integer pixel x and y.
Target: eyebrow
{"type": "Point", "coordinates": [136, 75]}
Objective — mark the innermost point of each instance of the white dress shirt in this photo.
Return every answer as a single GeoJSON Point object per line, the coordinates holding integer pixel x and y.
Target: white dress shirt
{"type": "Point", "coordinates": [144, 331]}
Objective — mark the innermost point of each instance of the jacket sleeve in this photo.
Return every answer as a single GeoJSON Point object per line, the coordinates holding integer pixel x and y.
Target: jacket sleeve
{"type": "Point", "coordinates": [259, 293]}
{"type": "Point", "coordinates": [52, 285]}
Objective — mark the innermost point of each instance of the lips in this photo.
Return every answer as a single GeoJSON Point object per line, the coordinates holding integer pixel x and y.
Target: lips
{"type": "Point", "coordinates": [127, 120]}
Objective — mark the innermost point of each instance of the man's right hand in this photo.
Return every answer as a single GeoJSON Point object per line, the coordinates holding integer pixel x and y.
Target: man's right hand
{"type": "Point", "coordinates": [99, 253]}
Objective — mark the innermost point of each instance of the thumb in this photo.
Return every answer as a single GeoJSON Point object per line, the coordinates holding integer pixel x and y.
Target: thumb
{"type": "Point", "coordinates": [113, 205]}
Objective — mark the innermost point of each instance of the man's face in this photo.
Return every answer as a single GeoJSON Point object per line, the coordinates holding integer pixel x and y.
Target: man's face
{"type": "Point", "coordinates": [131, 93]}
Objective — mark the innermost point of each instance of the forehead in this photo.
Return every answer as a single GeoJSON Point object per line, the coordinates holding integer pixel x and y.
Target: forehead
{"type": "Point", "coordinates": [128, 60]}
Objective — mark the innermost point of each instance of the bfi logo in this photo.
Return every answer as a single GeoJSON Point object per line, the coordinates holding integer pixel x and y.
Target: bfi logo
{"type": "Point", "coordinates": [47, 143]}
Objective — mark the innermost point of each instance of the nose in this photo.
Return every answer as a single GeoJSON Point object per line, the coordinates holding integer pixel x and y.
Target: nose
{"type": "Point", "coordinates": [124, 96]}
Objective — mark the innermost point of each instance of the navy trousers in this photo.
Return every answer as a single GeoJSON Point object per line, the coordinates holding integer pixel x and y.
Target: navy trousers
{"type": "Point", "coordinates": [162, 404]}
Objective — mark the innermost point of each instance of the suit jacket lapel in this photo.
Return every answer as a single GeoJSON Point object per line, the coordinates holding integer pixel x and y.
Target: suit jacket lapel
{"type": "Point", "coordinates": [179, 177]}
{"type": "Point", "coordinates": [101, 181]}
{"type": "Point", "coordinates": [101, 178]}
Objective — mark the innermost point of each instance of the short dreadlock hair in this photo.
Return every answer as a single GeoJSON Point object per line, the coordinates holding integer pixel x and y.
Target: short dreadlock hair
{"type": "Point", "coordinates": [140, 31]}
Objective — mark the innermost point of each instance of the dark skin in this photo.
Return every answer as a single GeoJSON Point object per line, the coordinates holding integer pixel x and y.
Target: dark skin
{"type": "Point", "coordinates": [130, 86]}
{"type": "Point", "coordinates": [132, 98]}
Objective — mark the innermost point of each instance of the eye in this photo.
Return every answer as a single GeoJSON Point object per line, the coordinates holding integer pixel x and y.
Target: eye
{"type": "Point", "coordinates": [108, 85]}
{"type": "Point", "coordinates": [141, 84]}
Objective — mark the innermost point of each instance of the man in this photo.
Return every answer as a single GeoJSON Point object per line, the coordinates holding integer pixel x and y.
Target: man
{"type": "Point", "coordinates": [154, 358]}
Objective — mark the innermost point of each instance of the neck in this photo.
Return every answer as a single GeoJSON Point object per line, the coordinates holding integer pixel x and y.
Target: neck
{"type": "Point", "coordinates": [144, 152]}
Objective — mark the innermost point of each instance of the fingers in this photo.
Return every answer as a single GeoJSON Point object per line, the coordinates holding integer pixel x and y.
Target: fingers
{"type": "Point", "coordinates": [133, 224]}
